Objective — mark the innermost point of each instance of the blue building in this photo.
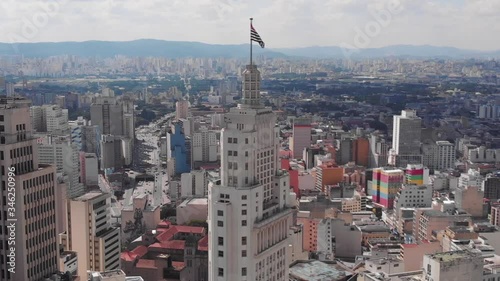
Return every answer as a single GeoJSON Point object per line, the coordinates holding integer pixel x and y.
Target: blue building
{"type": "Point", "coordinates": [179, 147]}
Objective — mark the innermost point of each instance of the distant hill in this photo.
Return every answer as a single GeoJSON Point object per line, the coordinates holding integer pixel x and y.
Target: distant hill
{"type": "Point", "coordinates": [179, 49]}
{"type": "Point", "coordinates": [143, 48]}
{"type": "Point", "coordinates": [396, 51]}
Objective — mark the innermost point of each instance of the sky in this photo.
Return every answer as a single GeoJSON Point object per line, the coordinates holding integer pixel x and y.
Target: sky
{"type": "Point", "coordinates": [466, 24]}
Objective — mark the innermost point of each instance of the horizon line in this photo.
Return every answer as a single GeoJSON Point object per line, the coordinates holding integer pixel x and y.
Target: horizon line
{"type": "Point", "coordinates": [240, 44]}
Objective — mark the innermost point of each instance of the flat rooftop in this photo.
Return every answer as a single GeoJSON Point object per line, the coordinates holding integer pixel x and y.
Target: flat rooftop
{"type": "Point", "coordinates": [112, 273]}
{"type": "Point", "coordinates": [90, 195]}
{"type": "Point", "coordinates": [455, 256]}
{"type": "Point", "coordinates": [194, 201]}
{"type": "Point", "coordinates": [317, 271]}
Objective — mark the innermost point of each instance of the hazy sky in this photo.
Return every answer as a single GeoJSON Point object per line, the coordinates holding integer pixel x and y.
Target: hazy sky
{"type": "Point", "coordinates": [470, 24]}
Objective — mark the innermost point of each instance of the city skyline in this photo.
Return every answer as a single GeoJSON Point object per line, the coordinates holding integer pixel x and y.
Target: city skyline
{"type": "Point", "coordinates": [383, 23]}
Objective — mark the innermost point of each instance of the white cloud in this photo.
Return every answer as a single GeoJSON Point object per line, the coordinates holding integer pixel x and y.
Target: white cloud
{"type": "Point", "coordinates": [472, 24]}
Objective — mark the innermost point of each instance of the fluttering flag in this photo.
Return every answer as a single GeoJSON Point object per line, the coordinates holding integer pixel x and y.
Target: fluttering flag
{"type": "Point", "coordinates": [256, 37]}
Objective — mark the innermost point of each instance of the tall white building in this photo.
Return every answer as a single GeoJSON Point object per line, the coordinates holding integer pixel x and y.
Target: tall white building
{"type": "Point", "coordinates": [49, 118]}
{"type": "Point", "coordinates": [379, 150]}
{"type": "Point", "coordinates": [194, 184]}
{"type": "Point", "coordinates": [59, 151]}
{"type": "Point", "coordinates": [204, 145]}
{"type": "Point", "coordinates": [445, 155]}
{"type": "Point", "coordinates": [249, 211]}
{"type": "Point", "coordinates": [440, 155]}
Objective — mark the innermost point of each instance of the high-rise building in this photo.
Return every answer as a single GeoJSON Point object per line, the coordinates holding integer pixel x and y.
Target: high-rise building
{"type": "Point", "coordinates": [29, 206]}
{"type": "Point", "coordinates": [328, 174]}
{"type": "Point", "coordinates": [361, 151]}
{"type": "Point", "coordinates": [379, 150]}
{"type": "Point", "coordinates": [111, 152]}
{"type": "Point", "coordinates": [385, 186]}
{"type": "Point", "coordinates": [495, 215]}
{"type": "Point", "coordinates": [89, 169]}
{"type": "Point", "coordinates": [301, 136]}
{"type": "Point", "coordinates": [491, 186]}
{"type": "Point", "coordinates": [91, 139]}
{"type": "Point", "coordinates": [417, 174]}
{"type": "Point", "coordinates": [181, 109]}
{"type": "Point", "coordinates": [50, 118]}
{"type": "Point", "coordinates": [91, 235]}
{"type": "Point", "coordinates": [205, 145]}
{"type": "Point", "coordinates": [439, 156]}
{"type": "Point", "coordinates": [249, 211]}
{"type": "Point", "coordinates": [445, 155]}
{"type": "Point", "coordinates": [178, 149]}
{"type": "Point", "coordinates": [116, 118]}
{"type": "Point", "coordinates": [9, 89]}
{"type": "Point", "coordinates": [59, 151]}
{"type": "Point", "coordinates": [107, 113]}
{"type": "Point", "coordinates": [406, 138]}
{"type": "Point", "coordinates": [194, 184]}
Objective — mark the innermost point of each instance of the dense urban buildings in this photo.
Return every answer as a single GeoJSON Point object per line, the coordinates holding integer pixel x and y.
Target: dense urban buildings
{"type": "Point", "coordinates": [30, 193]}
{"type": "Point", "coordinates": [201, 168]}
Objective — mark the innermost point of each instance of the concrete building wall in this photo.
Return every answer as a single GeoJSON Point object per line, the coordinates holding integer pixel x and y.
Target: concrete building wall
{"type": "Point", "coordinates": [471, 200]}
{"type": "Point", "coordinates": [457, 266]}
{"type": "Point", "coordinates": [90, 234]}
{"type": "Point", "coordinates": [413, 254]}
{"type": "Point", "coordinates": [181, 109]}
{"type": "Point", "coordinates": [33, 188]}
{"type": "Point", "coordinates": [301, 136]}
{"type": "Point", "coordinates": [192, 209]}
{"type": "Point", "coordinates": [91, 169]}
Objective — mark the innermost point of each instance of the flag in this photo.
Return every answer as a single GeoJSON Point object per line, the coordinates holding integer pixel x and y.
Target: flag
{"type": "Point", "coordinates": [254, 36]}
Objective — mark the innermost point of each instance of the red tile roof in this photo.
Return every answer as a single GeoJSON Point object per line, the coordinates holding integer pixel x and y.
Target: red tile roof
{"type": "Point", "coordinates": [190, 229]}
{"type": "Point", "coordinates": [164, 224]}
{"type": "Point", "coordinates": [203, 244]}
{"type": "Point", "coordinates": [128, 256]}
{"type": "Point", "coordinates": [174, 244]}
{"type": "Point", "coordinates": [171, 245]}
{"type": "Point", "coordinates": [143, 263]}
{"type": "Point", "coordinates": [166, 234]}
{"type": "Point", "coordinates": [140, 251]}
{"type": "Point", "coordinates": [178, 265]}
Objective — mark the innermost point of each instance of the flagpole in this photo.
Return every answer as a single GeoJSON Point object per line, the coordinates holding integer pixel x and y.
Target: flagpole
{"type": "Point", "coordinates": [251, 19]}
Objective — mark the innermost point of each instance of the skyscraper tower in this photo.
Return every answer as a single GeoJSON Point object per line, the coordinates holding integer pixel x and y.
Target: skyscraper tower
{"type": "Point", "coordinates": [249, 211]}
{"type": "Point", "coordinates": [406, 138]}
{"type": "Point", "coordinates": [30, 249]}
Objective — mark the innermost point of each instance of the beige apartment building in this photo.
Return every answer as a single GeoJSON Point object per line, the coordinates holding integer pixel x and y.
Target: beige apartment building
{"type": "Point", "coordinates": [91, 235]}
{"type": "Point", "coordinates": [33, 223]}
{"type": "Point", "coordinates": [427, 222]}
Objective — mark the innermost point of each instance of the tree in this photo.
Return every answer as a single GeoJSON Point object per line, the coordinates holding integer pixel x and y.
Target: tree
{"type": "Point", "coordinates": [167, 211]}
{"type": "Point", "coordinates": [199, 223]}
